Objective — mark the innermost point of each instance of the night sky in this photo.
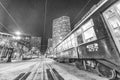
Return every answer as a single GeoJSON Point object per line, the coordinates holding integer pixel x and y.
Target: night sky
{"type": "Point", "coordinates": [29, 15]}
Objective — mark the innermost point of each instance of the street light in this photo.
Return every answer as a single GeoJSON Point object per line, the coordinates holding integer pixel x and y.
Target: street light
{"type": "Point", "coordinates": [18, 33]}
{"type": "Point", "coordinates": [16, 37]}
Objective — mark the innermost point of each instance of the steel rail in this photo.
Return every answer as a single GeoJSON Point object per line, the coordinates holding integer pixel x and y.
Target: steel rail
{"type": "Point", "coordinates": [24, 76]}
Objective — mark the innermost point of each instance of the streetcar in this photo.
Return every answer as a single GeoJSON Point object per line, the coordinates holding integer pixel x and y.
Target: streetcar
{"type": "Point", "coordinates": [94, 43]}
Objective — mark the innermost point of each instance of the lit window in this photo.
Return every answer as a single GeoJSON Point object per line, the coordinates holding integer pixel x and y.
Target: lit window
{"type": "Point", "coordinates": [88, 31]}
{"type": "Point", "coordinates": [112, 18]}
{"type": "Point", "coordinates": [118, 7]}
{"type": "Point", "coordinates": [79, 39]}
{"type": "Point", "coordinates": [114, 22]}
{"type": "Point", "coordinates": [79, 31]}
{"type": "Point", "coordinates": [88, 25]}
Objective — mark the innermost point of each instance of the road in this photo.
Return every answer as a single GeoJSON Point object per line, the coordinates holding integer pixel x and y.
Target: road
{"type": "Point", "coordinates": [43, 69]}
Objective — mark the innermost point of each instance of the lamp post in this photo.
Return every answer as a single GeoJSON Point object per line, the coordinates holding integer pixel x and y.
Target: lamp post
{"type": "Point", "coordinates": [16, 38]}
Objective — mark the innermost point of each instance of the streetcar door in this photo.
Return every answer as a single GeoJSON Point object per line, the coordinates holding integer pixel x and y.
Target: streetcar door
{"type": "Point", "coordinates": [112, 18]}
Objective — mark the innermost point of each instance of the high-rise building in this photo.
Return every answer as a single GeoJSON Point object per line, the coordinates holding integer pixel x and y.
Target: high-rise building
{"type": "Point", "coordinates": [61, 27]}
{"type": "Point", "coordinates": [50, 42]}
{"type": "Point", "coordinates": [36, 42]}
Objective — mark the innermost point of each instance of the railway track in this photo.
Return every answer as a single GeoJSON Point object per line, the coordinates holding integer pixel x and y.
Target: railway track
{"type": "Point", "coordinates": [22, 76]}
{"type": "Point", "coordinates": [25, 75]}
{"type": "Point", "coordinates": [52, 74]}
{"type": "Point", "coordinates": [46, 72]}
{"type": "Point", "coordinates": [41, 71]}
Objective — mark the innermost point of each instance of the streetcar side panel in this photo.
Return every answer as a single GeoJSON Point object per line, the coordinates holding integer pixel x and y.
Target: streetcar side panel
{"type": "Point", "coordinates": [103, 47]}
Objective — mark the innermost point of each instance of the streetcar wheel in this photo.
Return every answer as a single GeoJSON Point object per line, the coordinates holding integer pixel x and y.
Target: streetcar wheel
{"type": "Point", "coordinates": [118, 75]}
{"type": "Point", "coordinates": [79, 65]}
{"type": "Point", "coordinates": [106, 71]}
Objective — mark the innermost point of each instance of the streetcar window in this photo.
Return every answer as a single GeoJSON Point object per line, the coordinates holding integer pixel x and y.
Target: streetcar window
{"type": "Point", "coordinates": [79, 39]}
{"type": "Point", "coordinates": [79, 31]}
{"type": "Point", "coordinates": [79, 36]}
{"type": "Point", "coordinates": [61, 47]}
{"type": "Point", "coordinates": [72, 36]}
{"type": "Point", "coordinates": [64, 46]}
{"type": "Point", "coordinates": [89, 35]}
{"type": "Point", "coordinates": [88, 25]}
{"type": "Point", "coordinates": [69, 42]}
{"type": "Point", "coordinates": [74, 42]}
{"type": "Point", "coordinates": [118, 8]}
{"type": "Point", "coordinates": [114, 22]}
{"type": "Point", "coordinates": [57, 49]}
{"type": "Point", "coordinates": [88, 31]}
{"type": "Point", "coordinates": [112, 18]}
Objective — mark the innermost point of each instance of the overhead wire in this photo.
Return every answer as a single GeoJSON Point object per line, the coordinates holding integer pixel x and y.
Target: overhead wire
{"type": "Point", "coordinates": [9, 15]}
{"type": "Point", "coordinates": [45, 16]}
{"type": "Point", "coordinates": [80, 11]}
{"type": "Point", "coordinates": [4, 26]}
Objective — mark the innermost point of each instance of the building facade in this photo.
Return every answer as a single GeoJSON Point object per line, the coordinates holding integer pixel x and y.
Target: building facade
{"type": "Point", "coordinates": [61, 27]}
{"type": "Point", "coordinates": [36, 42]}
{"type": "Point", "coordinates": [50, 41]}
